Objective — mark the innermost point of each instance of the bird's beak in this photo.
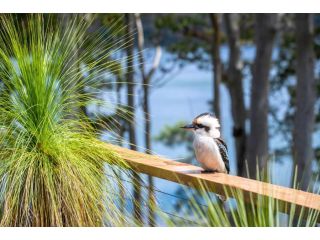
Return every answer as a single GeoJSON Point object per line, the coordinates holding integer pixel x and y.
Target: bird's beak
{"type": "Point", "coordinates": [189, 127]}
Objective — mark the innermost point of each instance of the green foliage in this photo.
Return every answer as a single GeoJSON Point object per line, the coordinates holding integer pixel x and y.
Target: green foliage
{"type": "Point", "coordinates": [257, 212]}
{"type": "Point", "coordinates": [52, 166]}
{"type": "Point", "coordinates": [205, 209]}
{"type": "Point", "coordinates": [189, 37]}
{"type": "Point", "coordinates": [174, 136]}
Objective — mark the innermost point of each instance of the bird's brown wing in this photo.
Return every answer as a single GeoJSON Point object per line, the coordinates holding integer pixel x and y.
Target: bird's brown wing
{"type": "Point", "coordinates": [224, 152]}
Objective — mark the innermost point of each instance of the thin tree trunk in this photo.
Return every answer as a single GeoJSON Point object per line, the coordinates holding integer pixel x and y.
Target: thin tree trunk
{"type": "Point", "coordinates": [131, 117]}
{"type": "Point", "coordinates": [305, 98]}
{"type": "Point", "coordinates": [235, 87]}
{"type": "Point", "coordinates": [146, 77]}
{"type": "Point", "coordinates": [216, 62]}
{"type": "Point", "coordinates": [147, 138]}
{"type": "Point", "coordinates": [120, 134]}
{"type": "Point", "coordinates": [265, 29]}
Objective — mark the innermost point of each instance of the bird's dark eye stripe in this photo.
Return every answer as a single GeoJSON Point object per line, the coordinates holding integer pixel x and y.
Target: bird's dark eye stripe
{"type": "Point", "coordinates": [200, 126]}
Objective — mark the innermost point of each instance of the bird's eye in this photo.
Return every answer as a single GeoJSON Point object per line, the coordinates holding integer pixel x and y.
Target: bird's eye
{"type": "Point", "coordinates": [202, 126]}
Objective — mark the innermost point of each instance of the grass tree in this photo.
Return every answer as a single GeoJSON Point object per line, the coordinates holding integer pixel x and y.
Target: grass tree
{"type": "Point", "coordinates": [52, 165]}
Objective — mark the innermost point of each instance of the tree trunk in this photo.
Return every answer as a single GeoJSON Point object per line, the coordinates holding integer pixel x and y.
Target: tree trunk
{"type": "Point", "coordinates": [305, 98]}
{"type": "Point", "coordinates": [146, 78]}
{"type": "Point", "coordinates": [131, 116]}
{"type": "Point", "coordinates": [216, 61]}
{"type": "Point", "coordinates": [147, 138]}
{"type": "Point", "coordinates": [235, 87]}
{"type": "Point", "coordinates": [265, 29]}
{"type": "Point", "coordinates": [120, 136]}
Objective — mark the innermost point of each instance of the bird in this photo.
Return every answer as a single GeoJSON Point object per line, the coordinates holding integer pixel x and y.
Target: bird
{"type": "Point", "coordinates": [210, 150]}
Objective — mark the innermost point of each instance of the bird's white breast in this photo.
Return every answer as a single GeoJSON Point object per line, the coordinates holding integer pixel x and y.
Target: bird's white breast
{"type": "Point", "coordinates": [208, 154]}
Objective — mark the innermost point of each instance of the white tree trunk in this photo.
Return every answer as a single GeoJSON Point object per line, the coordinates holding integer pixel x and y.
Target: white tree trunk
{"type": "Point", "coordinates": [265, 29]}
{"type": "Point", "coordinates": [305, 98]}
{"type": "Point", "coordinates": [146, 78]}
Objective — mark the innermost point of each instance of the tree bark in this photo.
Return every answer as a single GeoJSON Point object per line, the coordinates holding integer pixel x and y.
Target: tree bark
{"type": "Point", "coordinates": [146, 78]}
{"type": "Point", "coordinates": [216, 62]}
{"type": "Point", "coordinates": [265, 29]}
{"type": "Point", "coordinates": [235, 86]}
{"type": "Point", "coordinates": [305, 98]}
{"type": "Point", "coordinates": [131, 116]}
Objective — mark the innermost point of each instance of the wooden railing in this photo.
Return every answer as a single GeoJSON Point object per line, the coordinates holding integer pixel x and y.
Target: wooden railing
{"type": "Point", "coordinates": [191, 175]}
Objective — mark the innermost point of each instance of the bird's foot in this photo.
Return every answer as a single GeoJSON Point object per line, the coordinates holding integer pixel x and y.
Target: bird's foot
{"type": "Point", "coordinates": [209, 171]}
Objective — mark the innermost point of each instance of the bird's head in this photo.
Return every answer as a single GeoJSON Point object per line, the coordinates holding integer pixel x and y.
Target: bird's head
{"type": "Point", "coordinates": [206, 124]}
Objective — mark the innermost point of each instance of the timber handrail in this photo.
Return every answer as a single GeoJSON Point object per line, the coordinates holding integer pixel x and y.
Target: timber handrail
{"type": "Point", "coordinates": [191, 175]}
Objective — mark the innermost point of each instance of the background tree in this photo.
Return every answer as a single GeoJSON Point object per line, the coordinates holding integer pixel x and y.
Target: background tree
{"type": "Point", "coordinates": [216, 61]}
{"type": "Point", "coordinates": [146, 81]}
{"type": "Point", "coordinates": [196, 38]}
{"type": "Point", "coordinates": [131, 113]}
{"type": "Point", "coordinates": [235, 87]}
{"type": "Point", "coordinates": [305, 100]}
{"type": "Point", "coordinates": [265, 29]}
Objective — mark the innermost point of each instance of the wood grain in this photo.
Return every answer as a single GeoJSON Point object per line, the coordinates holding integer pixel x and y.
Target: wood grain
{"type": "Point", "coordinates": [191, 175]}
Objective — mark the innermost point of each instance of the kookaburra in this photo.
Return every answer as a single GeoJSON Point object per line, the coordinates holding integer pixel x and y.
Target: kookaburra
{"type": "Point", "coordinates": [211, 151]}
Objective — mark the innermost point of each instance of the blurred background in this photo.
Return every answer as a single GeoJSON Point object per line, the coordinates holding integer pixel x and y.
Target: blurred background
{"type": "Point", "coordinates": [258, 73]}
